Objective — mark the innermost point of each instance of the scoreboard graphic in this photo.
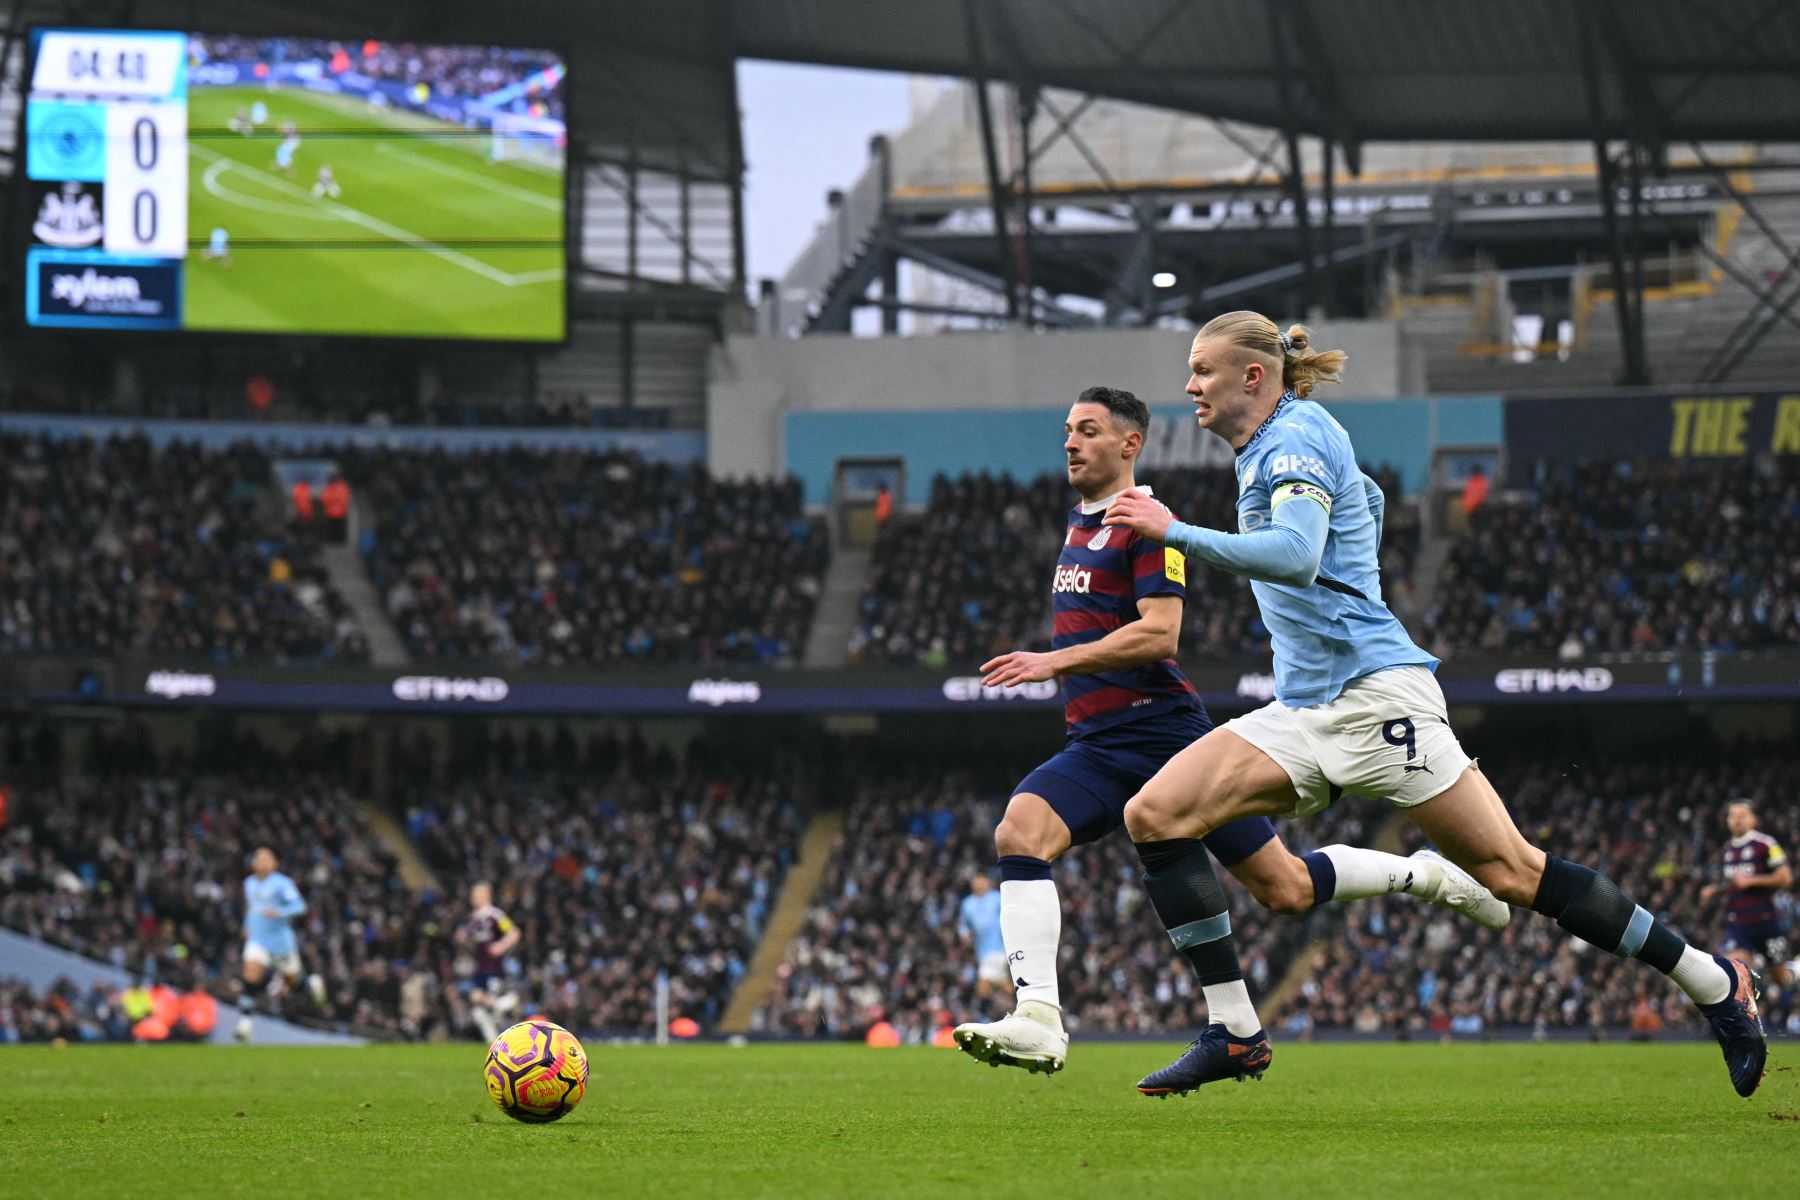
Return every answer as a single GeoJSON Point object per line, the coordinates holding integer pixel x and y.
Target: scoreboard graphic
{"type": "Point", "coordinates": [348, 186]}
{"type": "Point", "coordinates": [107, 163]}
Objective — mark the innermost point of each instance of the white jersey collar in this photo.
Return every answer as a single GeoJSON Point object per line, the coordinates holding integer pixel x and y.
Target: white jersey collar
{"type": "Point", "coordinates": [1090, 507]}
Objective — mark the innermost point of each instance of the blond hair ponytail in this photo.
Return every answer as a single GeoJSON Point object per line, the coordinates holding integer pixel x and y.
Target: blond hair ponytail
{"type": "Point", "coordinates": [1302, 367]}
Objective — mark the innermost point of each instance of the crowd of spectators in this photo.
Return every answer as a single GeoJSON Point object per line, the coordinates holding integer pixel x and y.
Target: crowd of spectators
{"type": "Point", "coordinates": [630, 862]}
{"type": "Point", "coordinates": [969, 577]}
{"type": "Point", "coordinates": [451, 72]}
{"type": "Point", "coordinates": [114, 546]}
{"type": "Point", "coordinates": [62, 1011]}
{"type": "Point", "coordinates": [1622, 555]}
{"type": "Point", "coordinates": [881, 939]}
{"type": "Point", "coordinates": [570, 557]}
{"type": "Point", "coordinates": [1655, 826]}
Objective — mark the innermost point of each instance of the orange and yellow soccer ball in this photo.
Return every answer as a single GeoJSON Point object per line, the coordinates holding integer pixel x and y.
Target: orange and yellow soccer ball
{"type": "Point", "coordinates": [536, 1072]}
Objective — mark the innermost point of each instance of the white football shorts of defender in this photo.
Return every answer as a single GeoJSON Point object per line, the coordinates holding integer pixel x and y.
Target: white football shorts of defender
{"type": "Point", "coordinates": [1386, 736]}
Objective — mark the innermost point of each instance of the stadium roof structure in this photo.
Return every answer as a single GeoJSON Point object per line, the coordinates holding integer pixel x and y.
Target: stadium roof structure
{"type": "Point", "coordinates": [1350, 70]}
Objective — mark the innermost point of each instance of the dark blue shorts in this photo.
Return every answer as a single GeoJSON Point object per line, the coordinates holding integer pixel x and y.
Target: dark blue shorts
{"type": "Point", "coordinates": [1089, 780]}
{"type": "Point", "coordinates": [1768, 939]}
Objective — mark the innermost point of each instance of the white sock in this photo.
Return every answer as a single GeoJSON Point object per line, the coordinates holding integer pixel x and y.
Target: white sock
{"type": "Point", "coordinates": [1704, 980]}
{"type": "Point", "coordinates": [1228, 1004]}
{"type": "Point", "coordinates": [1031, 927]}
{"type": "Point", "coordinates": [1364, 873]}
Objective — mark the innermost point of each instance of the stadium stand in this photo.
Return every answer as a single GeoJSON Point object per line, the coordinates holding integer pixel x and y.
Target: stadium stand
{"type": "Point", "coordinates": [1656, 826]}
{"type": "Point", "coordinates": [959, 583]}
{"type": "Point", "coordinates": [881, 940]}
{"type": "Point", "coordinates": [639, 861]}
{"type": "Point", "coordinates": [572, 557]}
{"type": "Point", "coordinates": [1620, 555]}
{"type": "Point", "coordinates": [116, 546]}
{"type": "Point", "coordinates": [62, 1011]}
{"type": "Point", "coordinates": [630, 862]}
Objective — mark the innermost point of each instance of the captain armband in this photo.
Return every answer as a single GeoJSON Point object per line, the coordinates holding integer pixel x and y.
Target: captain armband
{"type": "Point", "coordinates": [1297, 489]}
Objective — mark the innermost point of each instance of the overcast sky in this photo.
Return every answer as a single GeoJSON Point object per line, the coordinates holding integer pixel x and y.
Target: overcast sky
{"type": "Point", "coordinates": [806, 131]}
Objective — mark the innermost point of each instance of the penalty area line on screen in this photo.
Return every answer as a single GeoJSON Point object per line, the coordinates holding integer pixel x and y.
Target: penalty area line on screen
{"type": "Point", "coordinates": [338, 208]}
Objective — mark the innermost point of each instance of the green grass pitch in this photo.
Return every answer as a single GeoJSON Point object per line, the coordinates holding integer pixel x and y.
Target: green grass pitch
{"type": "Point", "coordinates": [453, 246]}
{"type": "Point", "coordinates": [832, 1120]}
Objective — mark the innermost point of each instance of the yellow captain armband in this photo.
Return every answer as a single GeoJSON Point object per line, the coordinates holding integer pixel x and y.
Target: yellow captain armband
{"type": "Point", "coordinates": [1175, 566]}
{"type": "Point", "coordinates": [1297, 489]}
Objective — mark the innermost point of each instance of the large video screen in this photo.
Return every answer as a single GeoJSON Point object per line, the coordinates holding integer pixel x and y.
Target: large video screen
{"type": "Point", "coordinates": [294, 185]}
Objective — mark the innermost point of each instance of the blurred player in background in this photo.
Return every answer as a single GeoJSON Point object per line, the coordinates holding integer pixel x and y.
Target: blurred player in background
{"type": "Point", "coordinates": [326, 184]}
{"type": "Point", "coordinates": [287, 148]}
{"type": "Point", "coordinates": [272, 902]}
{"type": "Point", "coordinates": [1756, 871]}
{"type": "Point", "coordinates": [218, 246]}
{"type": "Point", "coordinates": [978, 918]}
{"type": "Point", "coordinates": [240, 122]}
{"type": "Point", "coordinates": [490, 936]}
{"type": "Point", "coordinates": [1357, 708]}
{"type": "Point", "coordinates": [1116, 600]}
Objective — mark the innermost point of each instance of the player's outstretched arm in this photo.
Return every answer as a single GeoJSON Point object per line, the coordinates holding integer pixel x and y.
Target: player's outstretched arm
{"type": "Point", "coordinates": [1287, 552]}
{"type": "Point", "coordinates": [1151, 638]}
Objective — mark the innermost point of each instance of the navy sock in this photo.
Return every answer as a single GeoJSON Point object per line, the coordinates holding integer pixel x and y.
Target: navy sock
{"type": "Point", "coordinates": [1591, 906]}
{"type": "Point", "coordinates": [1324, 876]}
{"type": "Point", "coordinates": [1022, 866]}
{"type": "Point", "coordinates": [1192, 903]}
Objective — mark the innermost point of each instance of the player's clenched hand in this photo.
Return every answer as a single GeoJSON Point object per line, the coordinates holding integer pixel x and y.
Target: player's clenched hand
{"type": "Point", "coordinates": [1021, 666]}
{"type": "Point", "coordinates": [1140, 513]}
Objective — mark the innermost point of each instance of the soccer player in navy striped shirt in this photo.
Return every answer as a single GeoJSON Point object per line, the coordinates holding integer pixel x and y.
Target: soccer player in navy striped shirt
{"type": "Point", "coordinates": [1117, 603]}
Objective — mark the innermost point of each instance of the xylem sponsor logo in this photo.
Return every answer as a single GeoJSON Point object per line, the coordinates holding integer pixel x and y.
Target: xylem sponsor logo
{"type": "Point", "coordinates": [1521, 681]}
{"type": "Point", "coordinates": [173, 685]}
{"type": "Point", "coordinates": [715, 692]}
{"type": "Point", "coordinates": [91, 287]}
{"type": "Point", "coordinates": [965, 688]}
{"type": "Point", "coordinates": [1256, 687]}
{"type": "Point", "coordinates": [1072, 579]}
{"type": "Point", "coordinates": [486, 690]}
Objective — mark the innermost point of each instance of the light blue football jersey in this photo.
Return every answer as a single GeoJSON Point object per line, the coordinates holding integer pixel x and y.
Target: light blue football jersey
{"type": "Point", "coordinates": [1337, 629]}
{"type": "Point", "coordinates": [274, 934]}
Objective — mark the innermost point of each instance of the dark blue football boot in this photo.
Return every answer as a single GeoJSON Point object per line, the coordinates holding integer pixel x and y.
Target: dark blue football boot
{"type": "Point", "coordinates": [1212, 1056]}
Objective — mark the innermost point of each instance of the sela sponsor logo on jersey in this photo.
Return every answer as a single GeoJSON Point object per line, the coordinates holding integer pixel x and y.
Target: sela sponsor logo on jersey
{"type": "Point", "coordinates": [962, 689]}
{"type": "Point", "coordinates": [416, 688]}
{"type": "Point", "coordinates": [68, 215]}
{"type": "Point", "coordinates": [173, 685]}
{"type": "Point", "coordinates": [715, 692]}
{"type": "Point", "coordinates": [1072, 579]}
{"type": "Point", "coordinates": [1099, 540]}
{"type": "Point", "coordinates": [1524, 680]}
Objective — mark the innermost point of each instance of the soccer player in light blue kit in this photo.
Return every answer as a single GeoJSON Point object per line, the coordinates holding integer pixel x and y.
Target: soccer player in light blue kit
{"type": "Point", "coordinates": [272, 902]}
{"type": "Point", "coordinates": [978, 917]}
{"type": "Point", "coordinates": [1357, 708]}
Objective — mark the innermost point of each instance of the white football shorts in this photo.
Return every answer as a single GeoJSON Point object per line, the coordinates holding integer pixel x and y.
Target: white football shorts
{"type": "Point", "coordinates": [993, 968]}
{"type": "Point", "coordinates": [288, 964]}
{"type": "Point", "coordinates": [1386, 737]}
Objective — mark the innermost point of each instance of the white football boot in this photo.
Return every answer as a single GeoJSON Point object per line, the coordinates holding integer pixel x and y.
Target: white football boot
{"type": "Point", "coordinates": [244, 1028]}
{"type": "Point", "coordinates": [1450, 886]}
{"type": "Point", "coordinates": [1032, 1038]}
